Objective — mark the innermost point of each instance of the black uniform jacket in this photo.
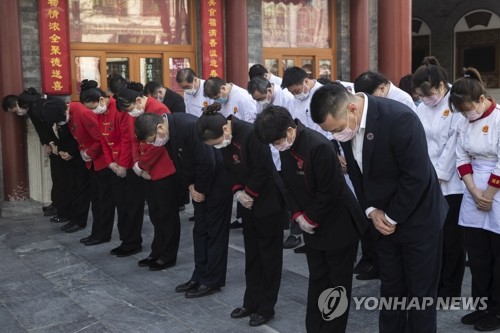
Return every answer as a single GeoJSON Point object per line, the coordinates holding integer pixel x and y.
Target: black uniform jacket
{"type": "Point", "coordinates": [194, 159]}
{"type": "Point", "coordinates": [317, 189]}
{"type": "Point", "coordinates": [44, 130]}
{"type": "Point", "coordinates": [398, 176]}
{"type": "Point", "coordinates": [174, 101]}
{"type": "Point", "coordinates": [251, 169]}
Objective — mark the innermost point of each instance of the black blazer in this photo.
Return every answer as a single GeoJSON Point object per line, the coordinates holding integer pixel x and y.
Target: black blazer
{"type": "Point", "coordinates": [398, 176]}
{"type": "Point", "coordinates": [174, 101]}
{"type": "Point", "coordinates": [251, 168]}
{"type": "Point", "coordinates": [193, 160]}
{"type": "Point", "coordinates": [316, 188]}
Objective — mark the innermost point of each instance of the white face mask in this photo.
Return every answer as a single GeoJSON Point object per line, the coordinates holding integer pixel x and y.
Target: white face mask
{"type": "Point", "coordinates": [347, 133]}
{"type": "Point", "coordinates": [21, 112]}
{"type": "Point", "coordinates": [135, 112]}
{"type": "Point", "coordinates": [302, 96]}
{"type": "Point", "coordinates": [285, 145]}
{"type": "Point", "coordinates": [160, 141]}
{"type": "Point", "coordinates": [191, 91]}
{"type": "Point", "coordinates": [100, 109]}
{"type": "Point", "coordinates": [264, 102]}
{"type": "Point", "coordinates": [224, 143]}
{"type": "Point", "coordinates": [472, 115]}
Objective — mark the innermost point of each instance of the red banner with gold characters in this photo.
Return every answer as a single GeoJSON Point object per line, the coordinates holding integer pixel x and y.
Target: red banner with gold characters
{"type": "Point", "coordinates": [212, 38]}
{"type": "Point", "coordinates": [54, 47]}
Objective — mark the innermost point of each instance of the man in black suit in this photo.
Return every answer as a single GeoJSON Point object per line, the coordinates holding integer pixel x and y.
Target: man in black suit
{"type": "Point", "coordinates": [386, 150]}
{"type": "Point", "coordinates": [323, 206]}
{"type": "Point", "coordinates": [202, 172]}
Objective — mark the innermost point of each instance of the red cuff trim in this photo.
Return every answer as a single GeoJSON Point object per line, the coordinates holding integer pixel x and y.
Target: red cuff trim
{"type": "Point", "coordinates": [252, 193]}
{"type": "Point", "coordinates": [237, 187]}
{"type": "Point", "coordinates": [494, 181]}
{"type": "Point", "coordinates": [294, 216]}
{"type": "Point", "coordinates": [310, 221]}
{"type": "Point", "coordinates": [464, 169]}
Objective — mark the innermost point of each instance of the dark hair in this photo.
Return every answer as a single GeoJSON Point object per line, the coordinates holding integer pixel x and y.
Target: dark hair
{"type": "Point", "coordinates": [324, 80]}
{"type": "Point", "coordinates": [292, 76]}
{"type": "Point", "coordinates": [272, 123]}
{"type": "Point", "coordinates": [369, 81]}
{"type": "Point", "coordinates": [145, 125]}
{"type": "Point", "coordinates": [54, 111]}
{"type": "Point", "coordinates": [116, 83]}
{"type": "Point", "coordinates": [259, 84]}
{"type": "Point", "coordinates": [212, 86]}
{"type": "Point", "coordinates": [257, 70]}
{"type": "Point", "coordinates": [406, 84]}
{"type": "Point", "coordinates": [27, 97]}
{"type": "Point", "coordinates": [209, 125]}
{"type": "Point", "coordinates": [429, 75]}
{"type": "Point", "coordinates": [90, 92]}
{"type": "Point", "coordinates": [128, 95]}
{"type": "Point", "coordinates": [466, 90]}
{"type": "Point", "coordinates": [327, 100]}
{"type": "Point", "coordinates": [185, 75]}
{"type": "Point", "coordinates": [9, 102]}
{"type": "Point", "coordinates": [151, 87]}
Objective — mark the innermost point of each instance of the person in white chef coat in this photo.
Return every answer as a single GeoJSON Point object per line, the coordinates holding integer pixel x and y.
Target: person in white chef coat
{"type": "Point", "coordinates": [441, 128]}
{"type": "Point", "coordinates": [259, 70]}
{"type": "Point", "coordinates": [377, 84]}
{"type": "Point", "coordinates": [192, 85]}
{"type": "Point", "coordinates": [478, 163]}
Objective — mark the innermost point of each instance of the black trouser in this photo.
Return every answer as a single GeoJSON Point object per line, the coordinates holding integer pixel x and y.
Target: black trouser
{"type": "Point", "coordinates": [107, 187]}
{"type": "Point", "coordinates": [79, 184]}
{"type": "Point", "coordinates": [483, 249]}
{"type": "Point", "coordinates": [211, 237]}
{"type": "Point", "coordinates": [453, 266]}
{"type": "Point", "coordinates": [409, 270]}
{"type": "Point", "coordinates": [130, 228]}
{"type": "Point", "coordinates": [263, 238]}
{"type": "Point", "coordinates": [162, 198]}
{"type": "Point", "coordinates": [368, 251]}
{"type": "Point", "coordinates": [328, 269]}
{"type": "Point", "coordinates": [60, 193]}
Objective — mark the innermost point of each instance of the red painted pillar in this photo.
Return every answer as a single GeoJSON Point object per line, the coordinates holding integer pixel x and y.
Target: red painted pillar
{"type": "Point", "coordinates": [359, 30]}
{"type": "Point", "coordinates": [236, 42]}
{"type": "Point", "coordinates": [394, 38]}
{"type": "Point", "coordinates": [13, 133]}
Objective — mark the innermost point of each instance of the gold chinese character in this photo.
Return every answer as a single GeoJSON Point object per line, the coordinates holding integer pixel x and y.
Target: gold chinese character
{"type": "Point", "coordinates": [214, 63]}
{"type": "Point", "coordinates": [54, 26]}
{"type": "Point", "coordinates": [212, 42]}
{"type": "Point", "coordinates": [212, 12]}
{"type": "Point", "coordinates": [213, 72]}
{"type": "Point", "coordinates": [55, 50]}
{"type": "Point", "coordinates": [57, 85]}
{"type": "Point", "coordinates": [53, 3]}
{"type": "Point", "coordinates": [212, 3]}
{"type": "Point", "coordinates": [212, 53]}
{"type": "Point", "coordinates": [55, 62]}
{"type": "Point", "coordinates": [212, 33]}
{"type": "Point", "coordinates": [56, 73]}
{"type": "Point", "coordinates": [53, 13]}
{"type": "Point", "coordinates": [212, 22]}
{"type": "Point", "coordinates": [54, 38]}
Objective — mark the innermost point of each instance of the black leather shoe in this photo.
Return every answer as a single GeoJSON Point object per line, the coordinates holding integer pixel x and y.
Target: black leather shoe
{"type": "Point", "coordinates": [236, 224]}
{"type": "Point", "coordinates": [114, 251]}
{"type": "Point", "coordinates": [73, 228]}
{"type": "Point", "coordinates": [291, 242]}
{"type": "Point", "coordinates": [257, 320]}
{"type": "Point", "coordinates": [83, 240]}
{"type": "Point", "coordinates": [182, 208]}
{"type": "Point", "coordinates": [49, 211]}
{"type": "Point", "coordinates": [300, 249]}
{"type": "Point", "coordinates": [489, 323]}
{"type": "Point", "coordinates": [95, 241]}
{"type": "Point", "coordinates": [190, 285]}
{"type": "Point", "coordinates": [57, 219]}
{"type": "Point", "coordinates": [201, 291]}
{"type": "Point", "coordinates": [240, 313]}
{"type": "Point", "coordinates": [147, 261]}
{"type": "Point", "coordinates": [160, 265]}
{"type": "Point", "coordinates": [125, 253]}
{"type": "Point", "coordinates": [191, 219]}
{"type": "Point", "coordinates": [474, 317]}
{"type": "Point", "coordinates": [67, 225]}
{"type": "Point", "coordinates": [49, 207]}
{"type": "Point", "coordinates": [371, 275]}
{"type": "Point", "coordinates": [363, 266]}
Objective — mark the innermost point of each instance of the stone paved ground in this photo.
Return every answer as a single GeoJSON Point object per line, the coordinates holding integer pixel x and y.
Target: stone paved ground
{"type": "Point", "coordinates": [49, 282]}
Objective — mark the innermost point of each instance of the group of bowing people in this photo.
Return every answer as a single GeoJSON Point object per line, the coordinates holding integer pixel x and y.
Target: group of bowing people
{"type": "Point", "coordinates": [271, 149]}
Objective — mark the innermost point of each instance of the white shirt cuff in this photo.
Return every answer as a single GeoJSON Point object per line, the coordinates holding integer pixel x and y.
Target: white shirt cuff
{"type": "Point", "coordinates": [391, 221]}
{"type": "Point", "coordinates": [369, 210]}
